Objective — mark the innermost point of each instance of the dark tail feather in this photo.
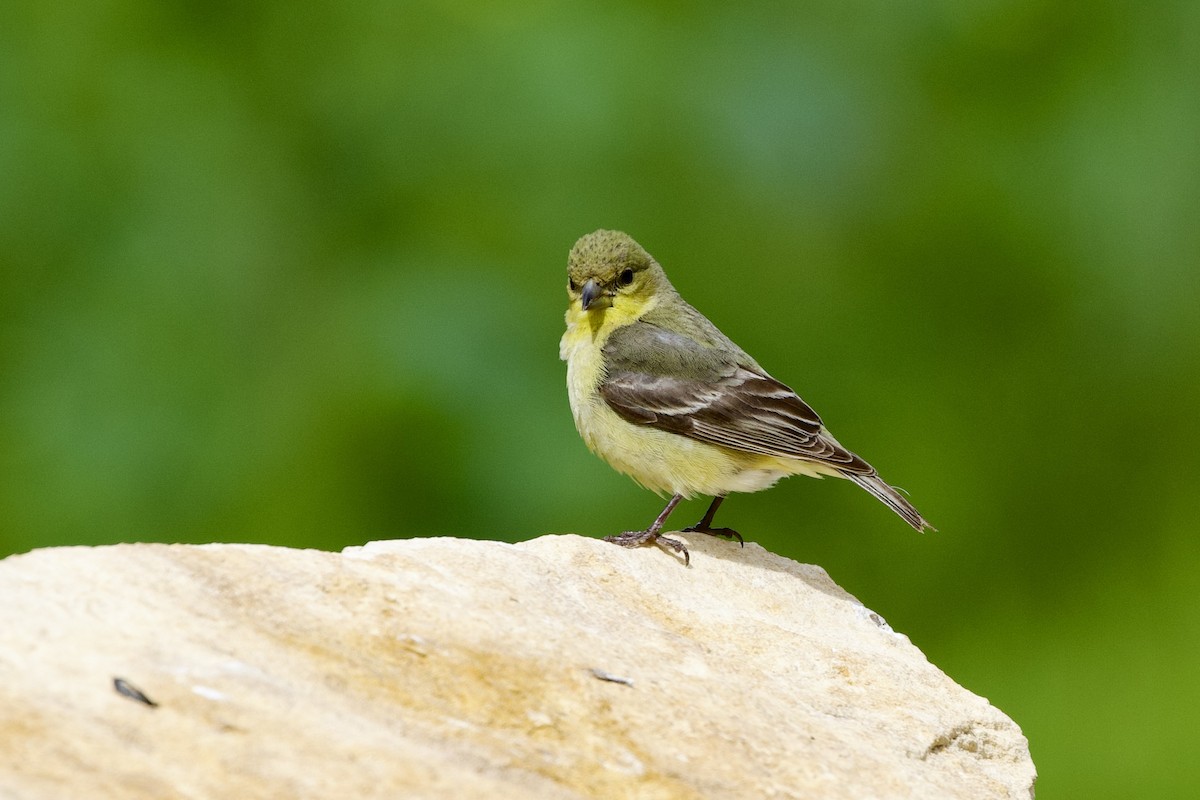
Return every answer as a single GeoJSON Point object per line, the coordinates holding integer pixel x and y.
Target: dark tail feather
{"type": "Point", "coordinates": [892, 499]}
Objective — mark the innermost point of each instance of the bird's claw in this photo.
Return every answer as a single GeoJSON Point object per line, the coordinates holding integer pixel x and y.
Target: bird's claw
{"type": "Point", "coordinates": [639, 538]}
{"type": "Point", "coordinates": [728, 533]}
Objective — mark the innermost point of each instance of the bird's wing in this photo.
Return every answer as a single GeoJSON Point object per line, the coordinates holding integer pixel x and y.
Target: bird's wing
{"type": "Point", "coordinates": [670, 381]}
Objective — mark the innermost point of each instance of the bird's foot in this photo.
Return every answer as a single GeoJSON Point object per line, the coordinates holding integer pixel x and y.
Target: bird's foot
{"type": "Point", "coordinates": [639, 538]}
{"type": "Point", "coordinates": [728, 533]}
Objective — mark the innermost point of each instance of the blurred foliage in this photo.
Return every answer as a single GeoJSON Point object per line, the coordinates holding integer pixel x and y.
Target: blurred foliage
{"type": "Point", "coordinates": [294, 274]}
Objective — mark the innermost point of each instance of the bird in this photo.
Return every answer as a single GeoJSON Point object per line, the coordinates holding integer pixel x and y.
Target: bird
{"type": "Point", "coordinates": [662, 395]}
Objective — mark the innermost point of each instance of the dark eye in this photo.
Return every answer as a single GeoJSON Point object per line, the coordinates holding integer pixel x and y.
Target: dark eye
{"type": "Point", "coordinates": [571, 284]}
{"type": "Point", "coordinates": [626, 277]}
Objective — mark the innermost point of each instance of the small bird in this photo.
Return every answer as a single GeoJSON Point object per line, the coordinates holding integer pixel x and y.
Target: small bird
{"type": "Point", "coordinates": [663, 396]}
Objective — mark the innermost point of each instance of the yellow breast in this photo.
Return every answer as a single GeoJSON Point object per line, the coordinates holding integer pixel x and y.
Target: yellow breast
{"type": "Point", "coordinates": [660, 461]}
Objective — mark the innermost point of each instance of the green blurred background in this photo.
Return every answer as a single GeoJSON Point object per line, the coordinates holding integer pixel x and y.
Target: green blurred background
{"type": "Point", "coordinates": [295, 274]}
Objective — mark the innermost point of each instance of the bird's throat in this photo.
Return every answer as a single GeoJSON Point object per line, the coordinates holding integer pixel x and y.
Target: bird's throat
{"type": "Point", "coordinates": [596, 318]}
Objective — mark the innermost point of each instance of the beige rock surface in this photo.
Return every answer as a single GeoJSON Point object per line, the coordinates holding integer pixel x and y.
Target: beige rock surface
{"type": "Point", "coordinates": [561, 667]}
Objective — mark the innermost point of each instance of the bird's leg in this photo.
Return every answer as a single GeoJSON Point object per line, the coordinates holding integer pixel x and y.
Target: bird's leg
{"type": "Point", "coordinates": [652, 534]}
{"type": "Point", "coordinates": [705, 525]}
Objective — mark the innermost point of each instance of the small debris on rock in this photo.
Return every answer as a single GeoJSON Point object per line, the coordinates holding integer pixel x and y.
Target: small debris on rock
{"type": "Point", "coordinates": [608, 676]}
{"type": "Point", "coordinates": [127, 689]}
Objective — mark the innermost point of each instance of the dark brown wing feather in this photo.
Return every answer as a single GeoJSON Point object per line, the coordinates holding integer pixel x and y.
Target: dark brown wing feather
{"type": "Point", "coordinates": [671, 382]}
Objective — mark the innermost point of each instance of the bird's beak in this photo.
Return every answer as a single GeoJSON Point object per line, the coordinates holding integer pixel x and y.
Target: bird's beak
{"type": "Point", "coordinates": [591, 290]}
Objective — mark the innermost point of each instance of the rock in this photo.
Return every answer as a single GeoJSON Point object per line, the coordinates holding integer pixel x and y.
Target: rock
{"type": "Point", "coordinates": [562, 667]}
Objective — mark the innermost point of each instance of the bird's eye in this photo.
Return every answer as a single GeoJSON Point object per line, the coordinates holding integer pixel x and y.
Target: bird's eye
{"type": "Point", "coordinates": [626, 277]}
{"type": "Point", "coordinates": [571, 284]}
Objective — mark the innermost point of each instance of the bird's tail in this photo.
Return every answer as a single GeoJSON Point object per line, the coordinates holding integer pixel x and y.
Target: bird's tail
{"type": "Point", "coordinates": [891, 498]}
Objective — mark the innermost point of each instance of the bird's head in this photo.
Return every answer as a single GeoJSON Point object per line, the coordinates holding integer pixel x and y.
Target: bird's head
{"type": "Point", "coordinates": [609, 269]}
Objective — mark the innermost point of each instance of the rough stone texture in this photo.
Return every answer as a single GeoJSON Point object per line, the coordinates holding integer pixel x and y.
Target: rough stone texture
{"type": "Point", "coordinates": [562, 667]}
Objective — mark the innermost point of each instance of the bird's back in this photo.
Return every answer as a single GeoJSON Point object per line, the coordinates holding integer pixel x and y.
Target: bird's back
{"type": "Point", "coordinates": [674, 314]}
